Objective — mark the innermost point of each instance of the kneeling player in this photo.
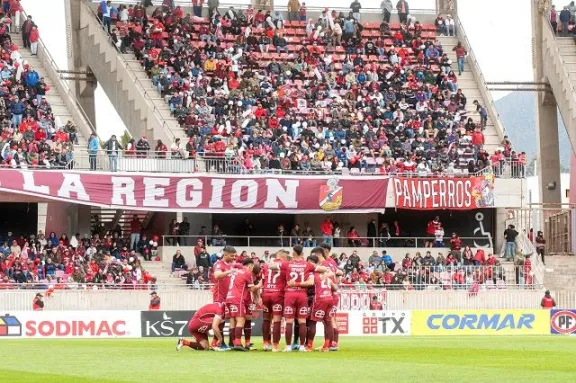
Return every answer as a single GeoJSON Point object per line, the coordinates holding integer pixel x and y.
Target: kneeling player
{"type": "Point", "coordinates": [206, 319]}
{"type": "Point", "coordinates": [322, 308]}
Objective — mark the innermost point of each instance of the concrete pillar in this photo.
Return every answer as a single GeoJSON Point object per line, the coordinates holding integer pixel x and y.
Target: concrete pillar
{"type": "Point", "coordinates": [547, 117]}
{"type": "Point", "coordinates": [84, 90]}
{"type": "Point", "coordinates": [78, 219]}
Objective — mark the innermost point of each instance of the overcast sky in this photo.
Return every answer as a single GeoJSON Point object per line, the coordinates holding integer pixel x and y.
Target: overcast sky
{"type": "Point", "coordinates": [499, 30]}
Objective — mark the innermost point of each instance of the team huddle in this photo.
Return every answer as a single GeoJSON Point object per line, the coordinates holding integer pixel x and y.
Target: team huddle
{"type": "Point", "coordinates": [302, 291]}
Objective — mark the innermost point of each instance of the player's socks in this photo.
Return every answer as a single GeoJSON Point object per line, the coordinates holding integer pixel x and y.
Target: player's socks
{"type": "Point", "coordinates": [288, 334]}
{"type": "Point", "coordinates": [302, 334]}
{"type": "Point", "coordinates": [214, 342]}
{"type": "Point", "coordinates": [266, 336]}
{"type": "Point", "coordinates": [247, 332]}
{"type": "Point", "coordinates": [238, 336]}
{"type": "Point", "coordinates": [192, 345]}
{"type": "Point", "coordinates": [296, 331]}
{"type": "Point", "coordinates": [328, 333]}
{"type": "Point", "coordinates": [276, 333]}
{"type": "Point", "coordinates": [311, 334]}
{"type": "Point", "coordinates": [335, 338]}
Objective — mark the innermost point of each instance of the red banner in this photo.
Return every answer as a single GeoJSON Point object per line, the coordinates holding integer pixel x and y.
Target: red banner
{"type": "Point", "coordinates": [215, 194]}
{"type": "Point", "coordinates": [444, 193]}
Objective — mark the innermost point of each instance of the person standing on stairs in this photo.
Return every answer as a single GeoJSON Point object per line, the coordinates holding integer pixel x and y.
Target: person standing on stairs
{"type": "Point", "coordinates": [26, 29]}
{"type": "Point", "coordinates": [34, 37]}
{"type": "Point", "coordinates": [135, 230]}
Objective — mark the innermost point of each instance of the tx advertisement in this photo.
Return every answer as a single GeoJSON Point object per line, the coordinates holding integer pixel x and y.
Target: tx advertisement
{"type": "Point", "coordinates": [480, 322]}
{"type": "Point", "coordinates": [70, 324]}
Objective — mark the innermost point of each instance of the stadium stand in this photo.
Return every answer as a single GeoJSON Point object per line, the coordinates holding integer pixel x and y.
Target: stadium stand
{"type": "Point", "coordinates": [327, 95]}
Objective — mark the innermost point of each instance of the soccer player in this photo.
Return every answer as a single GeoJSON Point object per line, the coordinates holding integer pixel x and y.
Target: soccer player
{"type": "Point", "coordinates": [223, 268]}
{"type": "Point", "coordinates": [332, 265]}
{"type": "Point", "coordinates": [207, 318]}
{"type": "Point", "coordinates": [295, 299]}
{"type": "Point", "coordinates": [238, 299]}
{"type": "Point", "coordinates": [273, 287]}
{"type": "Point", "coordinates": [253, 299]}
{"type": "Point", "coordinates": [322, 309]}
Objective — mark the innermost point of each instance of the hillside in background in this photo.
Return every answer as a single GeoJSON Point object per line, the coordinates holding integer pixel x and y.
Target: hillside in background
{"type": "Point", "coordinates": [518, 113]}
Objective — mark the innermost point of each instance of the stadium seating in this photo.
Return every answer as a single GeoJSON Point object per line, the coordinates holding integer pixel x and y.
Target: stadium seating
{"type": "Point", "coordinates": [31, 136]}
{"type": "Point", "coordinates": [62, 262]}
{"type": "Point", "coordinates": [289, 96]}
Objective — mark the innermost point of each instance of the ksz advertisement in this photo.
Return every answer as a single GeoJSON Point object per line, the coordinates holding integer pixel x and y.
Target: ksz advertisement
{"type": "Point", "coordinates": [563, 322]}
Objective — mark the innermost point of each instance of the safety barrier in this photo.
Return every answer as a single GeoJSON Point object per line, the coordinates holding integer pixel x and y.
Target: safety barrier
{"type": "Point", "coordinates": [166, 324]}
{"type": "Point", "coordinates": [61, 300]}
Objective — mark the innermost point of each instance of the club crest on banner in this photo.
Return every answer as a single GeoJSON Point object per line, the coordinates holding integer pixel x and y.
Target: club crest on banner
{"type": "Point", "coordinates": [331, 195]}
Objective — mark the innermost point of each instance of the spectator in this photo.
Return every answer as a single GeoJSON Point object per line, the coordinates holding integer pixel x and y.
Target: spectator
{"type": "Point", "coordinates": [309, 237]}
{"type": "Point", "coordinates": [540, 245]}
{"type": "Point", "coordinates": [178, 261]}
{"type": "Point", "coordinates": [293, 9]}
{"type": "Point", "coordinates": [431, 231]}
{"type": "Point", "coordinates": [461, 54]}
{"type": "Point", "coordinates": [93, 146]}
{"type": "Point", "coordinates": [510, 235]}
{"type": "Point", "coordinates": [375, 303]}
{"type": "Point", "coordinates": [386, 6]}
{"type": "Point", "coordinates": [213, 7]}
{"type": "Point", "coordinates": [403, 11]}
{"type": "Point", "coordinates": [548, 302]}
{"type": "Point", "coordinates": [173, 231]}
{"type": "Point", "coordinates": [282, 235]}
{"type": "Point", "coordinates": [33, 38]}
{"type": "Point", "coordinates": [353, 237]}
{"type": "Point", "coordinates": [456, 246]}
{"type": "Point", "coordinates": [439, 236]}
{"type": "Point", "coordinates": [113, 148]}
{"type": "Point", "coordinates": [106, 7]}
{"type": "Point", "coordinates": [26, 30]}
{"type": "Point", "coordinates": [355, 8]}
{"type": "Point", "coordinates": [135, 231]}
{"type": "Point", "coordinates": [554, 19]}
{"type": "Point", "coordinates": [143, 147]}
{"type": "Point", "coordinates": [387, 260]}
{"type": "Point", "coordinates": [154, 301]}
{"type": "Point", "coordinates": [296, 236]}
{"type": "Point", "coordinates": [371, 232]}
{"type": "Point", "coordinates": [38, 303]}
{"type": "Point", "coordinates": [184, 232]}
{"type": "Point", "coordinates": [327, 229]}
{"type": "Point", "coordinates": [564, 20]}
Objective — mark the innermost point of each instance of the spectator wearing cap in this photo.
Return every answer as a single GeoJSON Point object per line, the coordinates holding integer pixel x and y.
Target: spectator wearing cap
{"type": "Point", "coordinates": [154, 302]}
{"type": "Point", "coordinates": [38, 303]}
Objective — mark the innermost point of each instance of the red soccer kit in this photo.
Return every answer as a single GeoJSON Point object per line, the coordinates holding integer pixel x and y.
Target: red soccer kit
{"type": "Point", "coordinates": [295, 298]}
{"type": "Point", "coordinates": [273, 290]}
{"type": "Point", "coordinates": [323, 306]}
{"type": "Point", "coordinates": [201, 322]}
{"type": "Point", "coordinates": [238, 297]}
{"type": "Point", "coordinates": [333, 267]}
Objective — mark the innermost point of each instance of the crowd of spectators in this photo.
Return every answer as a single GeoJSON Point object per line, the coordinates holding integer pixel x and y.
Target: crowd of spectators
{"type": "Point", "coordinates": [308, 94]}
{"type": "Point", "coordinates": [456, 269]}
{"type": "Point", "coordinates": [103, 259]}
{"type": "Point", "coordinates": [30, 135]}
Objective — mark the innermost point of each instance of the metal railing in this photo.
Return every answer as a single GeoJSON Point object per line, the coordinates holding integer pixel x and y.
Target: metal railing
{"type": "Point", "coordinates": [133, 76]}
{"type": "Point", "coordinates": [152, 162]}
{"type": "Point", "coordinates": [312, 241]}
{"type": "Point", "coordinates": [21, 300]}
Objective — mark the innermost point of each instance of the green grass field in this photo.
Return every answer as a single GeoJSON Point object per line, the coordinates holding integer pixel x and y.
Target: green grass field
{"type": "Point", "coordinates": [410, 359]}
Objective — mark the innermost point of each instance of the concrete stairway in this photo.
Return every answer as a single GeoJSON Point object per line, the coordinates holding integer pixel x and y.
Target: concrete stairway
{"type": "Point", "coordinates": [111, 217]}
{"type": "Point", "coordinates": [559, 59]}
{"type": "Point", "coordinates": [142, 110]}
{"type": "Point", "coordinates": [162, 271]}
{"type": "Point", "coordinates": [60, 97]}
{"type": "Point", "coordinates": [471, 89]}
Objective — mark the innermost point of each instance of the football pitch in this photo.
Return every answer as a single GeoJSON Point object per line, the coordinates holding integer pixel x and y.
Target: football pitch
{"type": "Point", "coordinates": [382, 359]}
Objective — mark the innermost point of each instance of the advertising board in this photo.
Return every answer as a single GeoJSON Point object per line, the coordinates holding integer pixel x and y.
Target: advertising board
{"type": "Point", "coordinates": [70, 324]}
{"type": "Point", "coordinates": [480, 322]}
{"type": "Point", "coordinates": [563, 322]}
